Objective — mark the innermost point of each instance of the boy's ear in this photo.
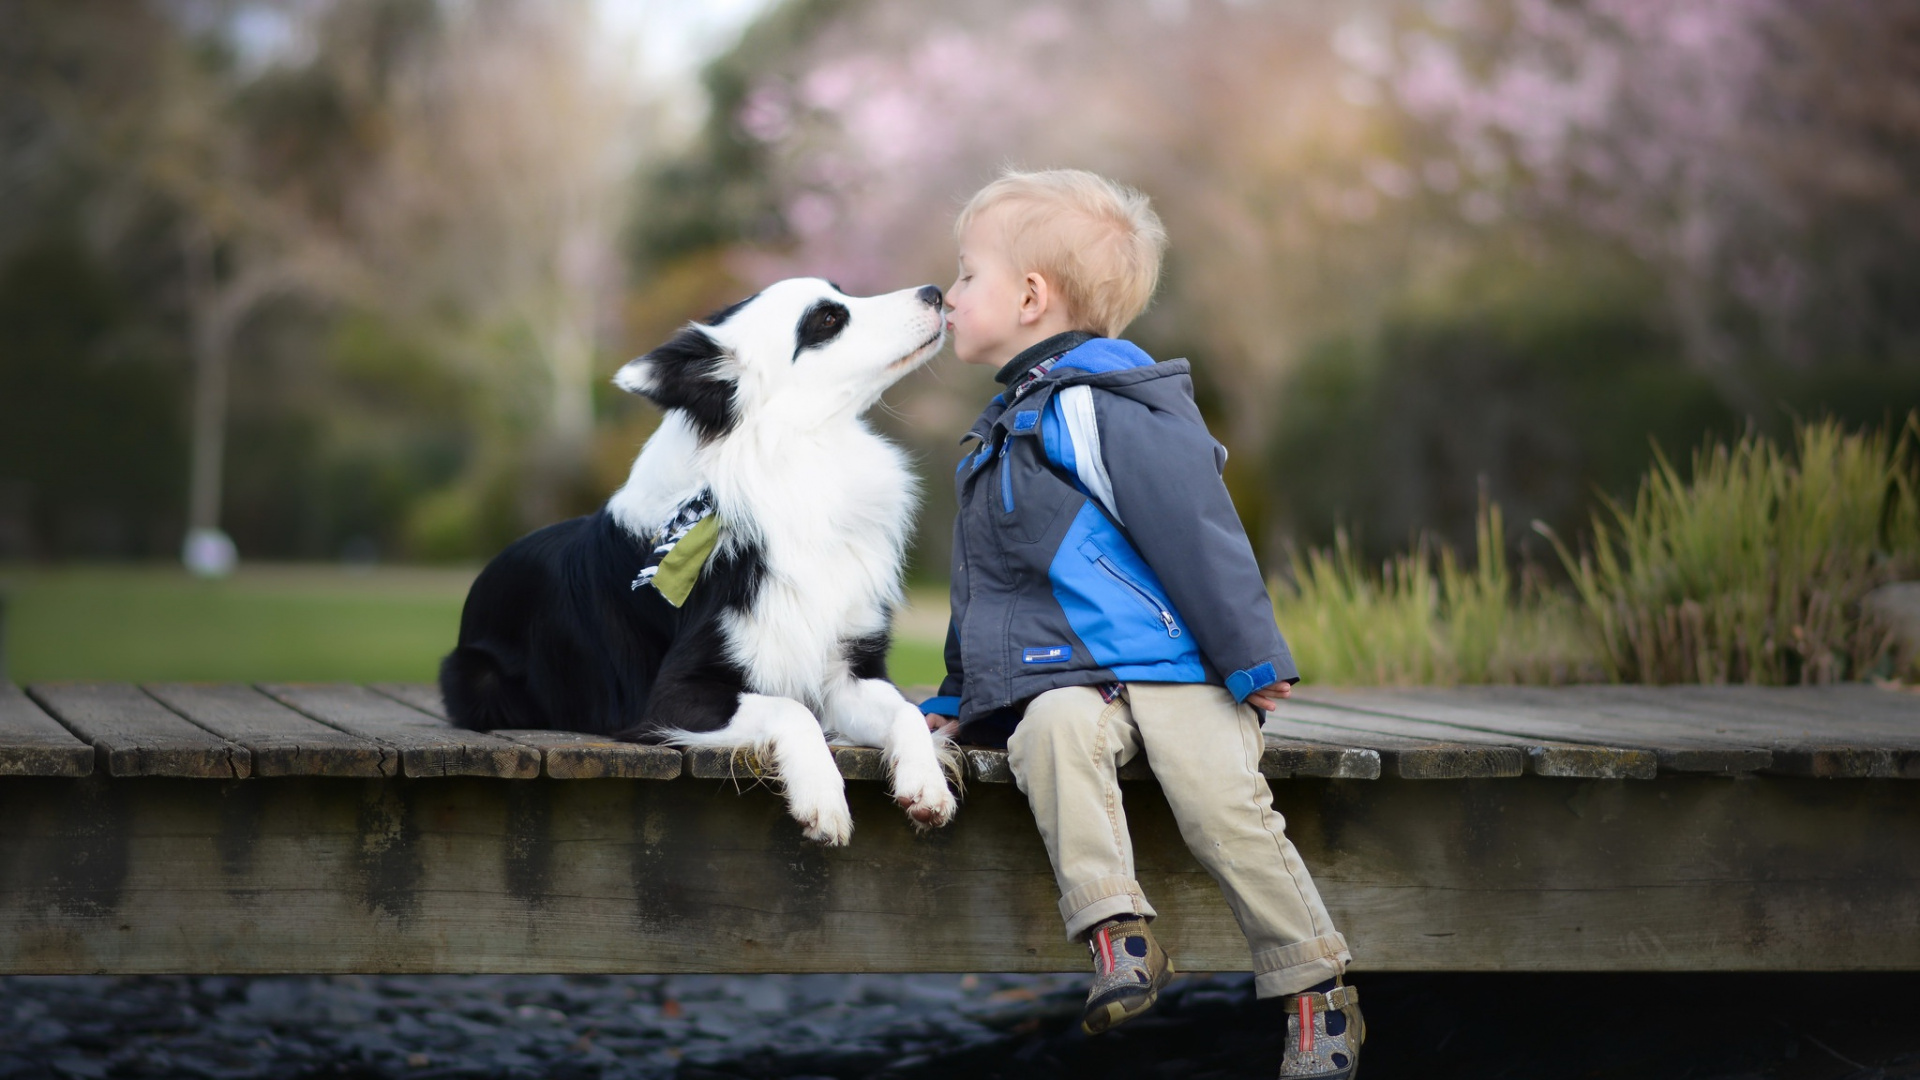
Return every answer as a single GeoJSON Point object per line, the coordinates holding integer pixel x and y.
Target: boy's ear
{"type": "Point", "coordinates": [690, 373]}
{"type": "Point", "coordinates": [1037, 298]}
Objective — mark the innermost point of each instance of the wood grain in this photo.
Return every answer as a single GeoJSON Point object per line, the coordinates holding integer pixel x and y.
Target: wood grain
{"type": "Point", "coordinates": [280, 741]}
{"type": "Point", "coordinates": [134, 735]}
{"type": "Point", "coordinates": [1421, 755]}
{"type": "Point", "coordinates": [1577, 714]}
{"type": "Point", "coordinates": [570, 755]}
{"type": "Point", "coordinates": [1429, 714]}
{"type": "Point", "coordinates": [1684, 873]}
{"type": "Point", "coordinates": [33, 743]}
{"type": "Point", "coordinates": [427, 745]}
{"type": "Point", "coordinates": [422, 696]}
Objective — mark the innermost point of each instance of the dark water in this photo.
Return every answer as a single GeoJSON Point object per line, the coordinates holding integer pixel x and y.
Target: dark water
{"type": "Point", "coordinates": [1440, 1027]}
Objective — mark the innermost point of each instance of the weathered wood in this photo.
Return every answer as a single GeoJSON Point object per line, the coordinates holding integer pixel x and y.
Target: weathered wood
{"type": "Point", "coordinates": [134, 735]}
{"type": "Point", "coordinates": [1284, 757]}
{"type": "Point", "coordinates": [571, 755]}
{"type": "Point", "coordinates": [1570, 713]}
{"type": "Point", "coordinates": [1281, 759]}
{"type": "Point", "coordinates": [988, 766]}
{"type": "Point", "coordinates": [1428, 714]}
{"type": "Point", "coordinates": [566, 755]}
{"type": "Point", "coordinates": [420, 695]}
{"type": "Point", "coordinates": [1409, 757]}
{"type": "Point", "coordinates": [280, 741]}
{"type": "Point", "coordinates": [427, 746]}
{"type": "Point", "coordinates": [33, 743]}
{"type": "Point", "coordinates": [1811, 731]}
{"type": "Point", "coordinates": [472, 874]}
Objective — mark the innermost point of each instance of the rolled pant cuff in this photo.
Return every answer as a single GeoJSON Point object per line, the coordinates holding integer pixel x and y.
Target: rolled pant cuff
{"type": "Point", "coordinates": [1088, 905]}
{"type": "Point", "coordinates": [1290, 969]}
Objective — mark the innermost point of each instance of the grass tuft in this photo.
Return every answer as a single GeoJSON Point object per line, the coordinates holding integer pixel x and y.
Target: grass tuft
{"type": "Point", "coordinates": [1753, 568]}
{"type": "Point", "coordinates": [1426, 619]}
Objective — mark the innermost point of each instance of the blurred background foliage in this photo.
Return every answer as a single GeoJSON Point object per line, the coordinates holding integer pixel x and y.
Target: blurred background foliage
{"type": "Point", "coordinates": [371, 262]}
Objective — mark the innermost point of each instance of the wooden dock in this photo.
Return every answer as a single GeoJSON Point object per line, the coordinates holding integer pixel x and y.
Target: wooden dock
{"type": "Point", "coordinates": [341, 828]}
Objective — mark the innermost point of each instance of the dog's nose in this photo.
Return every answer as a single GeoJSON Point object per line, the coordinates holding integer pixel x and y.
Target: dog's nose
{"type": "Point", "coordinates": [930, 295]}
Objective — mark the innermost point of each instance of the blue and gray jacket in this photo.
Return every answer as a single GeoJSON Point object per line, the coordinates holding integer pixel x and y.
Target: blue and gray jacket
{"type": "Point", "coordinates": [1095, 541]}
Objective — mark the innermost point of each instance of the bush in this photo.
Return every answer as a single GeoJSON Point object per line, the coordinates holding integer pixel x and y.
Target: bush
{"type": "Point", "coordinates": [1427, 620]}
{"type": "Point", "coordinates": [1752, 569]}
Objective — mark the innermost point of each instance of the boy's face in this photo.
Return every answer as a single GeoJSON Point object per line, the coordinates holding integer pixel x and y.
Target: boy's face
{"type": "Point", "coordinates": [984, 305]}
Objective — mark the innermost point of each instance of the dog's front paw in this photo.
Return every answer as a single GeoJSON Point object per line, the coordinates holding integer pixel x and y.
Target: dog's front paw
{"type": "Point", "coordinates": [823, 819]}
{"type": "Point", "coordinates": [926, 799]}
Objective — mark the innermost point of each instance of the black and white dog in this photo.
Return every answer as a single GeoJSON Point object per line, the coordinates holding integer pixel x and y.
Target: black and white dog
{"type": "Point", "coordinates": [784, 631]}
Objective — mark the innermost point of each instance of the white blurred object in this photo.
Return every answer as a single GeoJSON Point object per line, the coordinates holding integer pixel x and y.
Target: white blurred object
{"type": "Point", "coordinates": [209, 553]}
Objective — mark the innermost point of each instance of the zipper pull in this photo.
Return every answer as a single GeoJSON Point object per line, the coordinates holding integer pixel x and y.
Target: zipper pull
{"type": "Point", "coordinates": [1173, 629]}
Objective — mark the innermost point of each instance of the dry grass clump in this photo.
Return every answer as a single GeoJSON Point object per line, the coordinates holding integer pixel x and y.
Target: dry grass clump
{"type": "Point", "coordinates": [1427, 619]}
{"type": "Point", "coordinates": [1752, 568]}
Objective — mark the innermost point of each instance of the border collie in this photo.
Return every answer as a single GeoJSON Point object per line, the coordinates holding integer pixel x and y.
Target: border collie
{"type": "Point", "coordinates": [780, 628]}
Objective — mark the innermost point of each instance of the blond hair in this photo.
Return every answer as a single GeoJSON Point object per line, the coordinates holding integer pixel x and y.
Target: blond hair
{"type": "Point", "coordinates": [1098, 243]}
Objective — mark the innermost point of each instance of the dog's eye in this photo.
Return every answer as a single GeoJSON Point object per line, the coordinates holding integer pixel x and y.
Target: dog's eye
{"type": "Point", "coordinates": [821, 324]}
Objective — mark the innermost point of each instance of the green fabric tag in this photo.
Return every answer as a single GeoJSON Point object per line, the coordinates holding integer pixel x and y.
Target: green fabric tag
{"type": "Point", "coordinates": [681, 568]}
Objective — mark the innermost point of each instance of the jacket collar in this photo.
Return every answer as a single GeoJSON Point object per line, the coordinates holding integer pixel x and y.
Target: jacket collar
{"type": "Point", "coordinates": [1010, 374]}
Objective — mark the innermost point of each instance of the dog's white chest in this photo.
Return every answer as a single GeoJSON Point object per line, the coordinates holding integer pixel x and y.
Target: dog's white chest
{"type": "Point", "coordinates": [830, 521]}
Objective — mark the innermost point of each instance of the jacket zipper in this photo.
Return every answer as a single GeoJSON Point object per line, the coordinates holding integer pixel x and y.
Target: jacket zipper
{"type": "Point", "coordinates": [1006, 479]}
{"type": "Point", "coordinates": [1145, 597]}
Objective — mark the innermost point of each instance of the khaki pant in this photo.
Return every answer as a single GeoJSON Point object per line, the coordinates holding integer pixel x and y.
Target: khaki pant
{"type": "Point", "coordinates": [1205, 751]}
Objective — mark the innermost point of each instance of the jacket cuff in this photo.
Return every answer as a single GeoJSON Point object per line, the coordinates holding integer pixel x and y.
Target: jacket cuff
{"type": "Point", "coordinates": [941, 706]}
{"type": "Point", "coordinates": [1247, 680]}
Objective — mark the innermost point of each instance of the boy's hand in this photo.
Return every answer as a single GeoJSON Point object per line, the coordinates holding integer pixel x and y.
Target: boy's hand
{"type": "Point", "coordinates": [942, 725]}
{"type": "Point", "coordinates": [1268, 698]}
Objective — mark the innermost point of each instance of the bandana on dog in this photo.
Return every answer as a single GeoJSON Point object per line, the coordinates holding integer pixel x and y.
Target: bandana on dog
{"type": "Point", "coordinates": [681, 547]}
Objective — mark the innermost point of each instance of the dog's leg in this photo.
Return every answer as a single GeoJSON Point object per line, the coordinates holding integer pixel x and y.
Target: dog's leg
{"type": "Point", "coordinates": [788, 738]}
{"type": "Point", "coordinates": [872, 712]}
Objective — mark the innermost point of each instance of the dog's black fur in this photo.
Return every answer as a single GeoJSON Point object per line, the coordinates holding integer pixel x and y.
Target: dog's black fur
{"type": "Point", "coordinates": [553, 637]}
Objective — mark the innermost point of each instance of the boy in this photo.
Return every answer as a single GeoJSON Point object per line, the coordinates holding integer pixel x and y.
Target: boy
{"type": "Point", "coordinates": [1106, 602]}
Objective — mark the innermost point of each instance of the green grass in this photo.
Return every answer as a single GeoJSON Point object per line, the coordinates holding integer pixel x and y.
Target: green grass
{"type": "Point", "coordinates": [1750, 567]}
{"type": "Point", "coordinates": [266, 623]}
{"type": "Point", "coordinates": [1426, 619]}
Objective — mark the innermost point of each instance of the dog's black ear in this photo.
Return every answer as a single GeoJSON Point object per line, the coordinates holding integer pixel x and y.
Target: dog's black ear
{"type": "Point", "coordinates": [687, 373]}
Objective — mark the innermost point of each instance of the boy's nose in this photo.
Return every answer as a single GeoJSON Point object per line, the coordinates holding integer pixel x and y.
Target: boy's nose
{"type": "Point", "coordinates": [930, 295]}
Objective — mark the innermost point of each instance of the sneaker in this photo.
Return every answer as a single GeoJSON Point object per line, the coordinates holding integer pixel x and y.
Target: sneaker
{"type": "Point", "coordinates": [1129, 968]}
{"type": "Point", "coordinates": [1324, 1033]}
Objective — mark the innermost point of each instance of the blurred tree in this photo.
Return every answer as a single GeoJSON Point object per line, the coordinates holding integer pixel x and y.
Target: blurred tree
{"type": "Point", "coordinates": [495, 219]}
{"type": "Point", "coordinates": [1763, 155]}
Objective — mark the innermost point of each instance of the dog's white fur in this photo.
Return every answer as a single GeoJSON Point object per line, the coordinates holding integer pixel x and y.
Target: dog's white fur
{"type": "Point", "coordinates": [828, 503]}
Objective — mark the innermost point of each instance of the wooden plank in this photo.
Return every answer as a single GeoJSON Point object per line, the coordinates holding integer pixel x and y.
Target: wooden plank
{"type": "Point", "coordinates": [1756, 715]}
{"type": "Point", "coordinates": [420, 695]}
{"type": "Point", "coordinates": [1284, 758]}
{"type": "Point", "coordinates": [573, 755]}
{"type": "Point", "coordinates": [566, 755]}
{"type": "Point", "coordinates": [1407, 757]}
{"type": "Point", "coordinates": [280, 741]}
{"type": "Point", "coordinates": [1822, 714]}
{"type": "Point", "coordinates": [33, 743]}
{"type": "Point", "coordinates": [1563, 713]}
{"type": "Point", "coordinates": [103, 875]}
{"type": "Point", "coordinates": [1810, 732]}
{"type": "Point", "coordinates": [987, 766]}
{"type": "Point", "coordinates": [1429, 714]}
{"type": "Point", "coordinates": [135, 735]}
{"type": "Point", "coordinates": [427, 746]}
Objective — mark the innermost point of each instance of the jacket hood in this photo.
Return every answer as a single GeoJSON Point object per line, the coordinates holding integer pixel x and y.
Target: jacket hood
{"type": "Point", "coordinates": [1120, 367]}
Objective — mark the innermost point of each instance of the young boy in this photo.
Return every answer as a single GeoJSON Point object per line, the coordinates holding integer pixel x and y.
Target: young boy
{"type": "Point", "coordinates": [1106, 603]}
